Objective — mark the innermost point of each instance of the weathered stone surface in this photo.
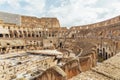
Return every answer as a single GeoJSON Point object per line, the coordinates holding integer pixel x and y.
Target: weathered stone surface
{"type": "Point", "coordinates": [54, 73]}
{"type": "Point", "coordinates": [88, 43]}
{"type": "Point", "coordinates": [108, 70]}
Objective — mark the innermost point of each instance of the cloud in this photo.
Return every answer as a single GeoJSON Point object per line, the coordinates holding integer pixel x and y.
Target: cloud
{"type": "Point", "coordinates": [74, 12]}
{"type": "Point", "coordinates": [83, 12]}
{"type": "Point", "coordinates": [36, 6]}
{"type": "Point", "coordinates": [30, 7]}
{"type": "Point", "coordinates": [11, 3]}
{"type": "Point", "coordinates": [69, 12]}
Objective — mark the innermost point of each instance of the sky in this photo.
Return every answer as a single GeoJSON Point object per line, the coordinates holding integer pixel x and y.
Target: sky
{"type": "Point", "coordinates": [69, 12]}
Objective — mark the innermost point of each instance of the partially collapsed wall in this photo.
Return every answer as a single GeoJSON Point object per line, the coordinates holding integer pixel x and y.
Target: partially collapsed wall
{"type": "Point", "coordinates": [87, 44]}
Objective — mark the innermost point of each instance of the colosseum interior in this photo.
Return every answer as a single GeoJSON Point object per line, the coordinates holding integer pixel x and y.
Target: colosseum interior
{"type": "Point", "coordinates": [33, 48]}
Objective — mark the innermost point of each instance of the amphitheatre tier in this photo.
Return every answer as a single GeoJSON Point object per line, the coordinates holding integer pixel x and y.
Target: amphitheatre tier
{"type": "Point", "coordinates": [104, 23]}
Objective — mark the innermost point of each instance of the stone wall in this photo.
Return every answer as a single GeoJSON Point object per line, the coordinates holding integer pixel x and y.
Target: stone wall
{"type": "Point", "coordinates": [66, 71]}
{"type": "Point", "coordinates": [71, 68]}
{"type": "Point", "coordinates": [53, 73]}
{"type": "Point", "coordinates": [28, 21]}
{"type": "Point", "coordinates": [102, 24]}
{"type": "Point", "coordinates": [49, 22]}
{"type": "Point", "coordinates": [85, 64]}
{"type": "Point", "coordinates": [108, 70]}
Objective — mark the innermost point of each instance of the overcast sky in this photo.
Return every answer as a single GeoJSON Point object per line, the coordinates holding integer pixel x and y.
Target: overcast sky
{"type": "Point", "coordinates": [69, 12]}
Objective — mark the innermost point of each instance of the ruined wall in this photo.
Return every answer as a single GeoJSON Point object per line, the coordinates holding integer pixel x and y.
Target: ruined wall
{"type": "Point", "coordinates": [71, 68]}
{"type": "Point", "coordinates": [49, 22]}
{"type": "Point", "coordinates": [28, 21]}
{"type": "Point", "coordinates": [10, 70]}
{"type": "Point", "coordinates": [53, 73]}
{"type": "Point", "coordinates": [85, 64]}
{"type": "Point", "coordinates": [99, 33]}
{"type": "Point", "coordinates": [108, 70]}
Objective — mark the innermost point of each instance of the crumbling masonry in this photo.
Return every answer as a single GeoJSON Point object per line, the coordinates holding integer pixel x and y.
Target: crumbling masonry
{"type": "Point", "coordinates": [34, 48]}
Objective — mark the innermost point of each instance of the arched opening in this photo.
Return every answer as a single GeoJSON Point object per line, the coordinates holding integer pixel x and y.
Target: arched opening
{"type": "Point", "coordinates": [33, 34]}
{"type": "Point", "coordinates": [13, 47]}
{"type": "Point", "coordinates": [49, 35]}
{"type": "Point", "coordinates": [22, 47]}
{"type": "Point", "coordinates": [6, 35]}
{"type": "Point", "coordinates": [60, 44]}
{"type": "Point", "coordinates": [20, 34]}
{"type": "Point", "coordinates": [11, 34]}
{"type": "Point", "coordinates": [37, 35]}
{"type": "Point", "coordinates": [25, 33]}
{"type": "Point", "coordinates": [29, 35]}
{"type": "Point", "coordinates": [1, 35]}
{"type": "Point", "coordinates": [73, 36]}
{"type": "Point", "coordinates": [103, 50]}
{"type": "Point", "coordinates": [18, 47]}
{"type": "Point", "coordinates": [52, 34]}
{"type": "Point", "coordinates": [3, 50]}
{"type": "Point", "coordinates": [40, 34]}
{"type": "Point", "coordinates": [106, 56]}
{"type": "Point", "coordinates": [109, 56]}
{"type": "Point", "coordinates": [16, 34]}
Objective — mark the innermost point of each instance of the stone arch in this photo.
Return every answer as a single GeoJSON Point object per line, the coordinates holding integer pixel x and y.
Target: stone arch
{"type": "Point", "coordinates": [29, 34]}
{"type": "Point", "coordinates": [11, 33]}
{"type": "Point", "coordinates": [40, 33]}
{"type": "Point", "coordinates": [7, 35]}
{"type": "Point", "coordinates": [15, 34]}
{"type": "Point", "coordinates": [109, 55]}
{"type": "Point", "coordinates": [49, 35]}
{"type": "Point", "coordinates": [20, 34]}
{"type": "Point", "coordinates": [33, 34]}
{"type": "Point", "coordinates": [37, 34]}
{"type": "Point", "coordinates": [25, 34]}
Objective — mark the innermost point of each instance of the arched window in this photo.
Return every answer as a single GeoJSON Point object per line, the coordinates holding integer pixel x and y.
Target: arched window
{"type": "Point", "coordinates": [1, 35]}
